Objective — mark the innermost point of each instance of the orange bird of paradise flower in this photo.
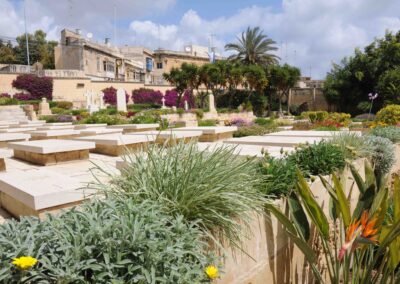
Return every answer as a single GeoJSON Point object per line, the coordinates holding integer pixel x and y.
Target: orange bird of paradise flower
{"type": "Point", "coordinates": [363, 228]}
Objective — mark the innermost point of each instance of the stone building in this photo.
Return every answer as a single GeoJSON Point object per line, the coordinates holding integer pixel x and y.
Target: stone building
{"type": "Point", "coordinates": [97, 61]}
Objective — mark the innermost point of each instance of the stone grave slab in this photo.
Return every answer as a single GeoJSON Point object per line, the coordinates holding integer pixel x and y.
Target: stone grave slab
{"type": "Point", "coordinates": [58, 123]}
{"type": "Point", "coordinates": [247, 150]}
{"type": "Point", "coordinates": [279, 141]}
{"type": "Point", "coordinates": [118, 144]}
{"type": "Point", "coordinates": [128, 128]}
{"type": "Point", "coordinates": [18, 130]}
{"type": "Point", "coordinates": [35, 191]}
{"type": "Point", "coordinates": [55, 127]}
{"type": "Point", "coordinates": [99, 131]}
{"type": "Point", "coordinates": [90, 126]}
{"type": "Point", "coordinates": [12, 137]}
{"type": "Point", "coordinates": [4, 153]}
{"type": "Point", "coordinates": [170, 136]}
{"type": "Point", "coordinates": [52, 151]}
{"type": "Point", "coordinates": [54, 134]}
{"type": "Point", "coordinates": [211, 133]}
{"type": "Point", "coordinates": [306, 133]}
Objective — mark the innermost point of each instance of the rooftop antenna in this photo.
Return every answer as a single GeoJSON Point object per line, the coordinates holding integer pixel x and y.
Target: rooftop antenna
{"type": "Point", "coordinates": [70, 12]}
{"type": "Point", "coordinates": [286, 53]}
{"type": "Point", "coordinates": [115, 25]}
{"type": "Point", "coordinates": [294, 60]}
{"type": "Point", "coordinates": [158, 36]}
{"type": "Point", "coordinates": [26, 36]}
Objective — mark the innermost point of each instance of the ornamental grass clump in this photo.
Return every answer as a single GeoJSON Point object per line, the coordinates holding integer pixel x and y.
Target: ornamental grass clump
{"type": "Point", "coordinates": [382, 154]}
{"type": "Point", "coordinates": [391, 132]}
{"type": "Point", "coordinates": [322, 158]}
{"type": "Point", "coordinates": [111, 241]}
{"type": "Point", "coordinates": [352, 144]}
{"type": "Point", "coordinates": [214, 188]}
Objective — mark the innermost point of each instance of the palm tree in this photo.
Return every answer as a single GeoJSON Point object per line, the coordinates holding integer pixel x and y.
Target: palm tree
{"type": "Point", "coordinates": [253, 48]}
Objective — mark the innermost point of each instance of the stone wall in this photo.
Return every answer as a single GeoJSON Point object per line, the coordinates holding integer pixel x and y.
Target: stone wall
{"type": "Point", "coordinates": [313, 97]}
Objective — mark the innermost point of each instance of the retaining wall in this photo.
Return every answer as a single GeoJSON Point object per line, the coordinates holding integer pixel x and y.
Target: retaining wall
{"type": "Point", "coordinates": [272, 257]}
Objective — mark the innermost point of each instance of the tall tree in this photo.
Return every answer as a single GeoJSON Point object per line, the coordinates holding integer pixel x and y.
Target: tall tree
{"type": "Point", "coordinates": [253, 47]}
{"type": "Point", "coordinates": [282, 79]}
{"type": "Point", "coordinates": [373, 69]}
{"type": "Point", "coordinates": [40, 50]}
{"type": "Point", "coordinates": [7, 55]}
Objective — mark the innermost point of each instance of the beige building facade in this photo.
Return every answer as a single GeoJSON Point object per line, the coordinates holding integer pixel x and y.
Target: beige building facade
{"type": "Point", "coordinates": [97, 61]}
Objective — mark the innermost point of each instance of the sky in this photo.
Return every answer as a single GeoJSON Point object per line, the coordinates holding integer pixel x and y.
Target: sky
{"type": "Point", "coordinates": [310, 34]}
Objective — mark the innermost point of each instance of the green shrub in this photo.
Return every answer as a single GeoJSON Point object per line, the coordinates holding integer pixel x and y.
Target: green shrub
{"type": "Point", "coordinates": [199, 113]}
{"type": "Point", "coordinates": [253, 130]}
{"type": "Point", "coordinates": [57, 110]}
{"type": "Point", "coordinates": [391, 132]}
{"type": "Point", "coordinates": [78, 111]}
{"type": "Point", "coordinates": [142, 119]}
{"type": "Point", "coordinates": [264, 121]}
{"type": "Point", "coordinates": [113, 241]}
{"type": "Point", "coordinates": [104, 118]}
{"type": "Point", "coordinates": [48, 118]}
{"type": "Point", "coordinates": [351, 144]}
{"type": "Point", "coordinates": [321, 115]}
{"type": "Point", "coordinates": [326, 128]}
{"type": "Point", "coordinates": [321, 158]}
{"type": "Point", "coordinates": [214, 188]}
{"type": "Point", "coordinates": [382, 154]}
{"type": "Point", "coordinates": [64, 104]}
{"type": "Point", "coordinates": [279, 176]}
{"type": "Point", "coordinates": [180, 111]}
{"type": "Point", "coordinates": [207, 122]}
{"type": "Point", "coordinates": [8, 101]}
{"type": "Point", "coordinates": [389, 115]}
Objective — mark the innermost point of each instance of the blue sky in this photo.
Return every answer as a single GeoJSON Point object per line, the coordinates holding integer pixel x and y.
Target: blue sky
{"type": "Point", "coordinates": [311, 34]}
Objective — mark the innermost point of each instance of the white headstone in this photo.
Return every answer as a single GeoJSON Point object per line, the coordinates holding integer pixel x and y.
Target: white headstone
{"type": "Point", "coordinates": [88, 96]}
{"type": "Point", "coordinates": [121, 100]}
{"type": "Point", "coordinates": [163, 102]}
{"type": "Point", "coordinates": [101, 96]}
{"type": "Point", "coordinates": [186, 105]}
{"type": "Point", "coordinates": [211, 103]}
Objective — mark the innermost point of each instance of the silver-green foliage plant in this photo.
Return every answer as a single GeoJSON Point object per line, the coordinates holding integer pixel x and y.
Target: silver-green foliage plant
{"type": "Point", "coordinates": [112, 241]}
{"type": "Point", "coordinates": [382, 153]}
{"type": "Point", "coordinates": [214, 188]}
{"type": "Point", "coordinates": [391, 132]}
{"type": "Point", "coordinates": [352, 144]}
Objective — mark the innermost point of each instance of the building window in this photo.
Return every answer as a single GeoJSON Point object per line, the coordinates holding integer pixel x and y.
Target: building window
{"type": "Point", "coordinates": [159, 65]}
{"type": "Point", "coordinates": [104, 65]}
{"type": "Point", "coordinates": [98, 64]}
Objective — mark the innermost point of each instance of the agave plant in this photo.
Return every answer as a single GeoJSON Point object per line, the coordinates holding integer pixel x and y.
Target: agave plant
{"type": "Point", "coordinates": [360, 245]}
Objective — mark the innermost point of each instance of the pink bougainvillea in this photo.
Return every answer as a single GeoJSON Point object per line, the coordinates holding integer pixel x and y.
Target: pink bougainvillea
{"type": "Point", "coordinates": [22, 97]}
{"type": "Point", "coordinates": [110, 96]}
{"type": "Point", "coordinates": [147, 96]}
{"type": "Point", "coordinates": [171, 97]}
{"type": "Point", "coordinates": [38, 87]}
{"type": "Point", "coordinates": [5, 95]}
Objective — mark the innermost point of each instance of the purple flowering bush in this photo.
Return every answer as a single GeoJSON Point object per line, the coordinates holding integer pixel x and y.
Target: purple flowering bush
{"type": "Point", "coordinates": [5, 95]}
{"type": "Point", "coordinates": [22, 97]}
{"type": "Point", "coordinates": [110, 96]}
{"type": "Point", "coordinates": [171, 96]}
{"type": "Point", "coordinates": [38, 87]}
{"type": "Point", "coordinates": [240, 122]}
{"type": "Point", "coordinates": [147, 96]}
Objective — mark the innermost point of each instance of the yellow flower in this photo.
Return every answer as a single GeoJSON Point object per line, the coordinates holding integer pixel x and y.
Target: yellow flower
{"type": "Point", "coordinates": [24, 262]}
{"type": "Point", "coordinates": [212, 272]}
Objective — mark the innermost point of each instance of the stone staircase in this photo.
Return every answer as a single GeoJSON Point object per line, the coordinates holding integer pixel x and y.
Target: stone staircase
{"type": "Point", "coordinates": [12, 113]}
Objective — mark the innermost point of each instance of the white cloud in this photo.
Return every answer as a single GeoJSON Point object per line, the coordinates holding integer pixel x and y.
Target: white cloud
{"type": "Point", "coordinates": [311, 32]}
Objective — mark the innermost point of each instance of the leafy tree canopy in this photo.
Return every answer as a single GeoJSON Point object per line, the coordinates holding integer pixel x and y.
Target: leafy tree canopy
{"type": "Point", "coordinates": [374, 69]}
